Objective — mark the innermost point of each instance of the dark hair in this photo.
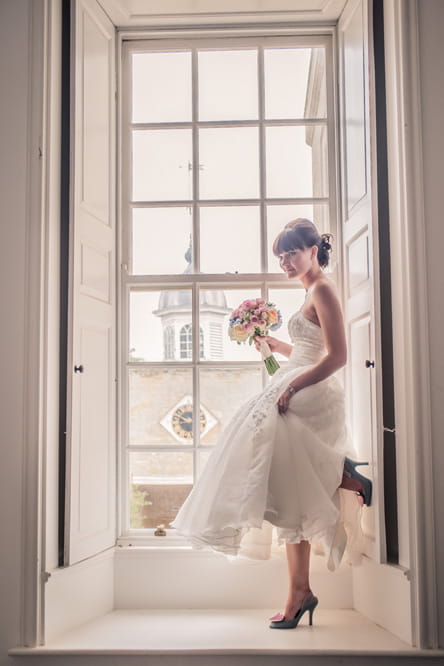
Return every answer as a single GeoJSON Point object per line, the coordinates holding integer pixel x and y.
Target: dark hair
{"type": "Point", "coordinates": [300, 234]}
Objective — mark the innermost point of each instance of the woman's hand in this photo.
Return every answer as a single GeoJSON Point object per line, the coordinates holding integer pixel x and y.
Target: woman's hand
{"type": "Point", "coordinates": [273, 343]}
{"type": "Point", "coordinates": [284, 399]}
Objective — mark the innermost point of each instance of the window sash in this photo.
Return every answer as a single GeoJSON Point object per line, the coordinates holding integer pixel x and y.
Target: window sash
{"type": "Point", "coordinates": [197, 281]}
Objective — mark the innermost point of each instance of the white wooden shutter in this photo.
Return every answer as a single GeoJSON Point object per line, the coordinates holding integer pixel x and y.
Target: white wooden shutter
{"type": "Point", "coordinates": [91, 430]}
{"type": "Point", "coordinates": [360, 258]}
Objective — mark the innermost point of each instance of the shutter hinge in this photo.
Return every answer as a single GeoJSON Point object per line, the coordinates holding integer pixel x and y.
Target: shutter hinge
{"type": "Point", "coordinates": [45, 576]}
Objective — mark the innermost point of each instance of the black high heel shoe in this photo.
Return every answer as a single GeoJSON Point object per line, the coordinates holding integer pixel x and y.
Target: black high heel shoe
{"type": "Point", "coordinates": [309, 603]}
{"type": "Point", "coordinates": [351, 473]}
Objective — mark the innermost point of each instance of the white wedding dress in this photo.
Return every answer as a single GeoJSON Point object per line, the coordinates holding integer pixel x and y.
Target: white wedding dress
{"type": "Point", "coordinates": [282, 470]}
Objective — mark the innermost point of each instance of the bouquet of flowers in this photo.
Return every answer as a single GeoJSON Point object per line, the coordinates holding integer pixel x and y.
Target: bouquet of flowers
{"type": "Point", "coordinates": [254, 318]}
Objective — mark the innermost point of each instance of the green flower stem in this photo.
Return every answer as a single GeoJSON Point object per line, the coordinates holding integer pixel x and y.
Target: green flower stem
{"type": "Point", "coordinates": [271, 364]}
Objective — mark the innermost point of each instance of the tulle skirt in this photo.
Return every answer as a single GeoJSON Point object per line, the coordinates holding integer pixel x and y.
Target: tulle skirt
{"type": "Point", "coordinates": [278, 470]}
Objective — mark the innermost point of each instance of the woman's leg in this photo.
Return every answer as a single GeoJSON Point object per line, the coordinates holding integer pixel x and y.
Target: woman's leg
{"type": "Point", "coordinates": [352, 484]}
{"type": "Point", "coordinates": [298, 559]}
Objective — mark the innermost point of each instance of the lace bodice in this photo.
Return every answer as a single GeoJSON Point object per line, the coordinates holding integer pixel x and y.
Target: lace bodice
{"type": "Point", "coordinates": [307, 339]}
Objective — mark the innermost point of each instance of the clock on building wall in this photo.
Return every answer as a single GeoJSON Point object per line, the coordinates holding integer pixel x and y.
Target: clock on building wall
{"type": "Point", "coordinates": [182, 421]}
{"type": "Point", "coordinates": [179, 420]}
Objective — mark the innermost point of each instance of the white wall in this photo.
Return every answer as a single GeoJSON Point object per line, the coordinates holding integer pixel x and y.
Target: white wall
{"type": "Point", "coordinates": [14, 68]}
{"type": "Point", "coordinates": [431, 29]}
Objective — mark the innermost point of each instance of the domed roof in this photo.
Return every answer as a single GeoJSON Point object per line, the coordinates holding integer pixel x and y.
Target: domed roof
{"type": "Point", "coordinates": [181, 299]}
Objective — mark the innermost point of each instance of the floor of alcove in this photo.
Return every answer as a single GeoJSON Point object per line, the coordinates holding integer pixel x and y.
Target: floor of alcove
{"type": "Point", "coordinates": [225, 631]}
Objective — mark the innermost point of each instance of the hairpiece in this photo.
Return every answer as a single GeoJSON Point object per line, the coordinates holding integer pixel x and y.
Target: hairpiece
{"type": "Point", "coordinates": [325, 241]}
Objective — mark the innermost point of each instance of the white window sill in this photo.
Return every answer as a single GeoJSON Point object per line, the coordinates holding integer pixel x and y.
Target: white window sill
{"type": "Point", "coordinates": [335, 633]}
{"type": "Point", "coordinates": [173, 548]}
{"type": "Point", "coordinates": [150, 541]}
{"type": "Point", "coordinates": [154, 550]}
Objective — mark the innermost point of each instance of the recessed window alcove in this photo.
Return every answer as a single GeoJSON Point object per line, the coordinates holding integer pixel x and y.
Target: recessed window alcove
{"type": "Point", "coordinates": [115, 579]}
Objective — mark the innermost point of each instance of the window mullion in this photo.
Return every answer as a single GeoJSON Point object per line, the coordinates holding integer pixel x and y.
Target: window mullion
{"type": "Point", "coordinates": [292, 122]}
{"type": "Point", "coordinates": [196, 255]}
{"type": "Point", "coordinates": [196, 392]}
{"type": "Point", "coordinates": [195, 165]}
{"type": "Point", "coordinates": [262, 164]}
{"type": "Point", "coordinates": [125, 189]}
{"type": "Point", "coordinates": [229, 202]}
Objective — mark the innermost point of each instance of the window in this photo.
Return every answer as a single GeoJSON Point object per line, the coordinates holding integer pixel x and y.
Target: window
{"type": "Point", "coordinates": [223, 142]}
{"type": "Point", "coordinates": [186, 342]}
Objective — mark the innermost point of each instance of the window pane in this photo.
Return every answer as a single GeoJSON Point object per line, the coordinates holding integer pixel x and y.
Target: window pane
{"type": "Point", "coordinates": [228, 88]}
{"type": "Point", "coordinates": [161, 241]}
{"type": "Point", "coordinates": [202, 459]}
{"type": "Point", "coordinates": [279, 216]}
{"type": "Point", "coordinates": [216, 306]}
{"type": "Point", "coordinates": [161, 87]}
{"type": "Point", "coordinates": [288, 301]}
{"type": "Point", "coordinates": [151, 314]}
{"type": "Point", "coordinates": [296, 161]}
{"type": "Point", "coordinates": [229, 163]}
{"type": "Point", "coordinates": [230, 239]}
{"type": "Point", "coordinates": [160, 482]}
{"type": "Point", "coordinates": [295, 83]}
{"type": "Point", "coordinates": [160, 406]}
{"type": "Point", "coordinates": [222, 392]}
{"type": "Point", "coordinates": [162, 162]}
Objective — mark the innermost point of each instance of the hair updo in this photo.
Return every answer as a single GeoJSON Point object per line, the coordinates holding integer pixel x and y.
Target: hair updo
{"type": "Point", "coordinates": [300, 234]}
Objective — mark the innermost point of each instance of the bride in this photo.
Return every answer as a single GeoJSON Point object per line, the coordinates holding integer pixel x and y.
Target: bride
{"type": "Point", "coordinates": [283, 456]}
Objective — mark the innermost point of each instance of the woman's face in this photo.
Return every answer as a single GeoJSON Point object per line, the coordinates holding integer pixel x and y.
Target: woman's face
{"type": "Point", "coordinates": [297, 262]}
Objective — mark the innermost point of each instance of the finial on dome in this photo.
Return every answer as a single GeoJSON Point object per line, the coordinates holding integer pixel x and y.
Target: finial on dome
{"type": "Point", "coordinates": [189, 253]}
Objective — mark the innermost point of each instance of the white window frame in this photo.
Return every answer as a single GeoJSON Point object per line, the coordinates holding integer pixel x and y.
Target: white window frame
{"type": "Point", "coordinates": [169, 343]}
{"type": "Point", "coordinates": [196, 281]}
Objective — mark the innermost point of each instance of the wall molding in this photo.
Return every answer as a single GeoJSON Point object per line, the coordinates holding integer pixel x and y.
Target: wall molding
{"type": "Point", "coordinates": [32, 532]}
{"type": "Point", "coordinates": [121, 14]}
{"type": "Point", "coordinates": [410, 312]}
{"type": "Point", "coordinates": [42, 212]}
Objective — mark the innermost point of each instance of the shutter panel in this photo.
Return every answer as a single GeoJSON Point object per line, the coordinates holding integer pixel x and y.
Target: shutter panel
{"type": "Point", "coordinates": [360, 259]}
{"type": "Point", "coordinates": [91, 434]}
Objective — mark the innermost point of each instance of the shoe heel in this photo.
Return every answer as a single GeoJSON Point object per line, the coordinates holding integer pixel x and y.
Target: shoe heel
{"type": "Point", "coordinates": [354, 463]}
{"type": "Point", "coordinates": [311, 610]}
{"type": "Point", "coordinates": [350, 471]}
